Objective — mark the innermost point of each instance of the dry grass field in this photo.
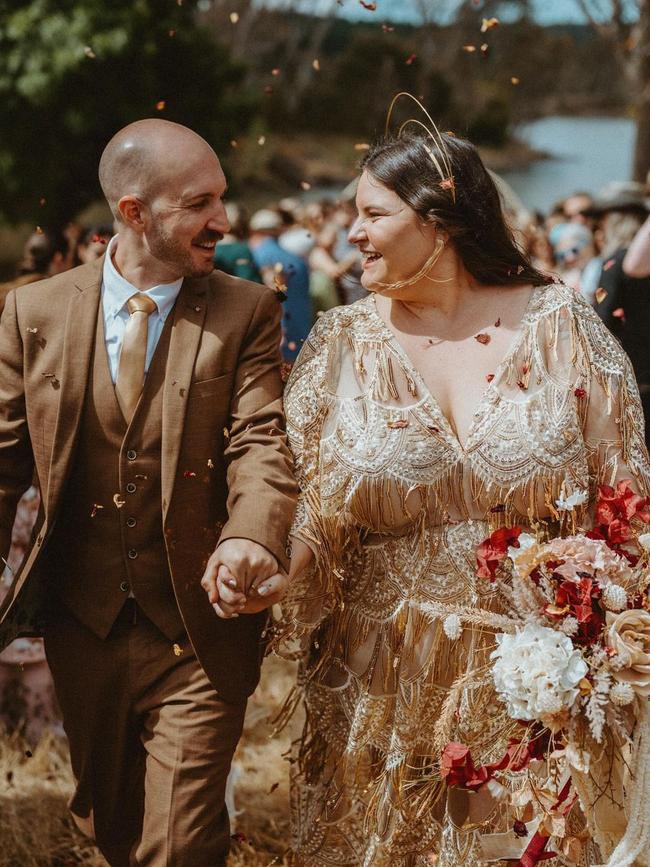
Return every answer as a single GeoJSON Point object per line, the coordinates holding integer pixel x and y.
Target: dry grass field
{"type": "Point", "coordinates": [36, 831]}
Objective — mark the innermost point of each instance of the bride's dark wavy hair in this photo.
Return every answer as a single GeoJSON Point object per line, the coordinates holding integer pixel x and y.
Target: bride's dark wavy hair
{"type": "Point", "coordinates": [470, 213]}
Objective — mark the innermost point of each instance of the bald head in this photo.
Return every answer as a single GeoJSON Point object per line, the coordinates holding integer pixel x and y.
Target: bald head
{"type": "Point", "coordinates": [146, 156]}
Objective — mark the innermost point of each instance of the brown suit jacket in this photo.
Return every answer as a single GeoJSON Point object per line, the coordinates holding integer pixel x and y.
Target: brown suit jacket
{"type": "Point", "coordinates": [225, 469]}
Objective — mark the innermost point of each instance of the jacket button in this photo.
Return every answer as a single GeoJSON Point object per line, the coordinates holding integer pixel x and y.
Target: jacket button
{"type": "Point", "coordinates": [124, 587]}
{"type": "Point", "coordinates": [131, 522]}
{"type": "Point", "coordinates": [132, 554]}
{"type": "Point", "coordinates": [131, 454]}
{"type": "Point", "coordinates": [131, 488]}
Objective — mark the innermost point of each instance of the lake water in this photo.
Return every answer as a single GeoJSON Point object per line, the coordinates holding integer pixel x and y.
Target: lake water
{"type": "Point", "coordinates": [587, 152]}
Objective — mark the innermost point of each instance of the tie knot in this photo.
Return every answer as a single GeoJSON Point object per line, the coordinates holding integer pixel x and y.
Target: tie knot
{"type": "Point", "coordinates": [141, 303]}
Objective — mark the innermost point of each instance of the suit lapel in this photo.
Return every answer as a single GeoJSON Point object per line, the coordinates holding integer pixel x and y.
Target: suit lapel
{"type": "Point", "coordinates": [187, 328]}
{"type": "Point", "coordinates": [78, 341]}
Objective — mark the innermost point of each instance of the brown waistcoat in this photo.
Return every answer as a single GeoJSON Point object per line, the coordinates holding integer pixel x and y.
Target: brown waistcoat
{"type": "Point", "coordinates": [108, 542]}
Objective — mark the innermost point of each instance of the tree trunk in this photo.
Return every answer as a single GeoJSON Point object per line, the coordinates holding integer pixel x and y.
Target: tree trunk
{"type": "Point", "coordinates": [642, 107]}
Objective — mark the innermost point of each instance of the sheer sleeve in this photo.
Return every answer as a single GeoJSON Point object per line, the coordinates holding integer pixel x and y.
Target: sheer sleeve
{"type": "Point", "coordinates": [308, 398]}
{"type": "Point", "coordinates": [305, 403]}
{"type": "Point", "coordinates": [613, 424]}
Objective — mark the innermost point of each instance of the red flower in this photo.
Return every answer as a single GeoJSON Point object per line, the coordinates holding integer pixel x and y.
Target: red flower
{"type": "Point", "coordinates": [620, 503]}
{"type": "Point", "coordinates": [581, 597]}
{"type": "Point", "coordinates": [493, 550]}
{"type": "Point", "coordinates": [457, 767]}
{"type": "Point", "coordinates": [616, 508]}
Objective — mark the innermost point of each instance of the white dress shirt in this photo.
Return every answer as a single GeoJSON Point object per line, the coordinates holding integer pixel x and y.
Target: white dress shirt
{"type": "Point", "coordinates": [116, 291]}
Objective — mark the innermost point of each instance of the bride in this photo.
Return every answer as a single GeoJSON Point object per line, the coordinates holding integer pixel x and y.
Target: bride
{"type": "Point", "coordinates": [465, 393]}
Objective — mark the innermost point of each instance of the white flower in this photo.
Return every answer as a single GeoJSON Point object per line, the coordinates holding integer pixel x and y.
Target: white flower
{"type": "Point", "coordinates": [452, 626]}
{"type": "Point", "coordinates": [568, 504]}
{"type": "Point", "coordinates": [526, 541]}
{"type": "Point", "coordinates": [622, 693]}
{"type": "Point", "coordinates": [614, 597]}
{"type": "Point", "coordinates": [537, 671]}
{"type": "Point", "coordinates": [644, 541]}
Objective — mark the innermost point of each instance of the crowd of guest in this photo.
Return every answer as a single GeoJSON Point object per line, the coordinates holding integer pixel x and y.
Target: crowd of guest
{"type": "Point", "coordinates": [599, 245]}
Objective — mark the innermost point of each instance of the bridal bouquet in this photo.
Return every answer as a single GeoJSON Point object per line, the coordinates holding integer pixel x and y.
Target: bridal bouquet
{"type": "Point", "coordinates": [573, 667]}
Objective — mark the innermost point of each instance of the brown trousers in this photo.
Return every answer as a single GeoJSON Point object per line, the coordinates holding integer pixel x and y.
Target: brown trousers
{"type": "Point", "coordinates": [151, 743]}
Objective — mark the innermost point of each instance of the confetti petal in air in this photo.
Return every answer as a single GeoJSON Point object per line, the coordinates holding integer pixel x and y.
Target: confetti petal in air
{"type": "Point", "coordinates": [410, 59]}
{"type": "Point", "coordinates": [484, 339]}
{"type": "Point", "coordinates": [261, 140]}
{"type": "Point", "coordinates": [387, 29]}
{"type": "Point", "coordinates": [275, 72]}
{"type": "Point", "coordinates": [234, 17]}
{"type": "Point", "coordinates": [619, 313]}
{"type": "Point", "coordinates": [89, 52]}
{"type": "Point", "coordinates": [514, 80]}
{"type": "Point", "coordinates": [160, 105]}
{"type": "Point", "coordinates": [488, 24]}
{"type": "Point", "coordinates": [280, 287]}
{"type": "Point", "coordinates": [172, 33]}
{"type": "Point", "coordinates": [601, 294]}
{"type": "Point", "coordinates": [371, 7]}
{"type": "Point", "coordinates": [316, 64]}
{"type": "Point", "coordinates": [362, 146]}
{"type": "Point", "coordinates": [305, 185]}
{"type": "Point", "coordinates": [470, 49]}
{"type": "Point", "coordinates": [234, 143]}
{"type": "Point", "coordinates": [608, 264]}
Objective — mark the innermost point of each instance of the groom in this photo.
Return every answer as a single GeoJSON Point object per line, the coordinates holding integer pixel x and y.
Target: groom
{"type": "Point", "coordinates": [144, 390]}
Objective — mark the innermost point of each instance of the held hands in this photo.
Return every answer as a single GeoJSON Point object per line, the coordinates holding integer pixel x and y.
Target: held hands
{"type": "Point", "coordinates": [242, 577]}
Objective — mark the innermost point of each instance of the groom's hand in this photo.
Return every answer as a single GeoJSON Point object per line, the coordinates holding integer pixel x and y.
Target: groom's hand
{"type": "Point", "coordinates": [232, 603]}
{"type": "Point", "coordinates": [248, 563]}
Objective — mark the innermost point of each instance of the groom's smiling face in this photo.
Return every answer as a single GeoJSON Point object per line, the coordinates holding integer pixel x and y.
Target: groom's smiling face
{"type": "Point", "coordinates": [187, 217]}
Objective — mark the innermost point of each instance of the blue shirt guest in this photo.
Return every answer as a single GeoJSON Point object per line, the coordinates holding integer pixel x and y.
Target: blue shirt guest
{"type": "Point", "coordinates": [280, 268]}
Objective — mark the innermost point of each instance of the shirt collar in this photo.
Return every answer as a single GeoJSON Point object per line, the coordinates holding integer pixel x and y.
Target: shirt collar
{"type": "Point", "coordinates": [117, 290]}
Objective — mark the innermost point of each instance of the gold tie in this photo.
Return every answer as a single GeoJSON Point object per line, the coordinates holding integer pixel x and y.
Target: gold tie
{"type": "Point", "coordinates": [130, 373]}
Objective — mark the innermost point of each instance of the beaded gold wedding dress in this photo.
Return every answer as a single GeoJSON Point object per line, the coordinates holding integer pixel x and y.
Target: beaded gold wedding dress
{"type": "Point", "coordinates": [394, 506]}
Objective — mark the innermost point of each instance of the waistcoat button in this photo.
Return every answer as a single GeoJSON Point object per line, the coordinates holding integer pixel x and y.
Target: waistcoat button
{"type": "Point", "coordinates": [124, 587]}
{"type": "Point", "coordinates": [132, 554]}
{"type": "Point", "coordinates": [131, 522]}
{"type": "Point", "coordinates": [131, 454]}
{"type": "Point", "coordinates": [131, 488]}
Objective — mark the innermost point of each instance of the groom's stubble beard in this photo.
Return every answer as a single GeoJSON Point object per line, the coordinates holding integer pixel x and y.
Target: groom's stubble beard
{"type": "Point", "coordinates": [169, 250]}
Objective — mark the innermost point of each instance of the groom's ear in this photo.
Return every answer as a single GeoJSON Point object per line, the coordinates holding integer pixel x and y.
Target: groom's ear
{"type": "Point", "coordinates": [132, 212]}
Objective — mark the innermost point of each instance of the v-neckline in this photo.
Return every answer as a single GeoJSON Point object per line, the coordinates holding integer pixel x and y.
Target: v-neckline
{"type": "Point", "coordinates": [491, 387]}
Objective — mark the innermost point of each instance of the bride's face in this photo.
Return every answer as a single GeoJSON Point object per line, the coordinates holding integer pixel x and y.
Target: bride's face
{"type": "Point", "coordinates": [394, 242]}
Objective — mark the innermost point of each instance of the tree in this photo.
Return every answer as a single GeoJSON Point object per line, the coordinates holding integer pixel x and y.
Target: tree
{"type": "Point", "coordinates": [628, 36]}
{"type": "Point", "coordinates": [72, 72]}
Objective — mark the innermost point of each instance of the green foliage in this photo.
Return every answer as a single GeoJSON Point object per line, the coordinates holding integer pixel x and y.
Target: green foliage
{"type": "Point", "coordinates": [72, 73]}
{"type": "Point", "coordinates": [490, 125]}
{"type": "Point", "coordinates": [353, 93]}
